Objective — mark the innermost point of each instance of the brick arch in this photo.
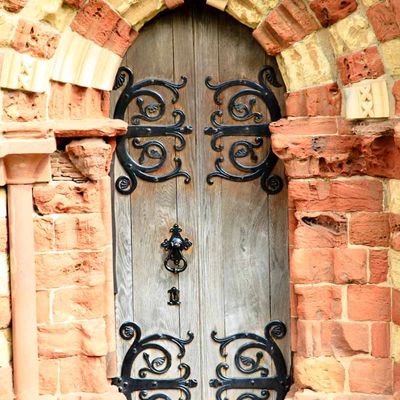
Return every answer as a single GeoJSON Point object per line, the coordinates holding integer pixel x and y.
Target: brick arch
{"type": "Point", "coordinates": [340, 144]}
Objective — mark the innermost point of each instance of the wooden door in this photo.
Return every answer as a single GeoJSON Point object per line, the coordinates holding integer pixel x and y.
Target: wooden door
{"type": "Point", "coordinates": [237, 274]}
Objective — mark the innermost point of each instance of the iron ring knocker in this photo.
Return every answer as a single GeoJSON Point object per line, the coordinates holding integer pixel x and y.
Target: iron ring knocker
{"type": "Point", "coordinates": [175, 245]}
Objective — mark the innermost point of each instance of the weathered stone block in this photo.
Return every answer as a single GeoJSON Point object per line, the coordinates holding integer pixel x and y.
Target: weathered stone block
{"type": "Point", "coordinates": [329, 12]}
{"type": "Point", "coordinates": [383, 20]}
{"type": "Point", "coordinates": [391, 59]}
{"type": "Point", "coordinates": [369, 229]}
{"type": "Point", "coordinates": [394, 267]}
{"type": "Point", "coordinates": [378, 266]}
{"type": "Point", "coordinates": [23, 107]}
{"type": "Point", "coordinates": [5, 348]}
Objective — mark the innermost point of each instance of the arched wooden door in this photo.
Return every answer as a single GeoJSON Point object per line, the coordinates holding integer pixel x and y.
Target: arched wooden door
{"type": "Point", "coordinates": [237, 275]}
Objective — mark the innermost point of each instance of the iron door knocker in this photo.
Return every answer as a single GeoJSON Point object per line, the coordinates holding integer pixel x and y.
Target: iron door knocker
{"type": "Point", "coordinates": [175, 262]}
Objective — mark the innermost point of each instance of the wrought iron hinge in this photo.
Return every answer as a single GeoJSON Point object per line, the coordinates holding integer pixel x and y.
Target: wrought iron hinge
{"type": "Point", "coordinates": [242, 109]}
{"type": "Point", "coordinates": [153, 153]}
{"type": "Point", "coordinates": [159, 365]}
{"type": "Point", "coordinates": [249, 364]}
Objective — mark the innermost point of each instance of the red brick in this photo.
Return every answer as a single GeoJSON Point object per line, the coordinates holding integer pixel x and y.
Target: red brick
{"type": "Point", "coordinates": [48, 376]}
{"type": "Point", "coordinates": [369, 375]}
{"type": "Point", "coordinates": [331, 338]}
{"type": "Point", "coordinates": [336, 195]}
{"type": "Point", "coordinates": [55, 270]}
{"type": "Point", "coordinates": [330, 11]}
{"type": "Point", "coordinates": [5, 312]}
{"type": "Point", "coordinates": [83, 374]}
{"type": "Point", "coordinates": [35, 38]}
{"type": "Point", "coordinates": [69, 101]}
{"type": "Point", "coordinates": [369, 229]}
{"type": "Point", "coordinates": [23, 106]}
{"type": "Point", "coordinates": [380, 339]}
{"type": "Point", "coordinates": [323, 302]}
{"type": "Point", "coordinates": [80, 231]}
{"type": "Point", "coordinates": [78, 303]}
{"type": "Point", "coordinates": [6, 383]}
{"type": "Point", "coordinates": [286, 24]}
{"type": "Point", "coordinates": [396, 306]}
{"type": "Point", "coordinates": [383, 20]}
{"type": "Point", "coordinates": [14, 5]}
{"type": "Point", "coordinates": [365, 64]}
{"type": "Point", "coordinates": [368, 303]}
{"type": "Point", "coordinates": [325, 100]}
{"type": "Point", "coordinates": [350, 266]}
{"type": "Point", "coordinates": [320, 230]}
{"type": "Point", "coordinates": [66, 340]}
{"type": "Point", "coordinates": [378, 266]}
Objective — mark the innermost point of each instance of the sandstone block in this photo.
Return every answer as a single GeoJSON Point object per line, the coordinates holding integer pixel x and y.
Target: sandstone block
{"type": "Point", "coordinates": [351, 34]}
{"type": "Point", "coordinates": [380, 339]}
{"type": "Point", "coordinates": [3, 202]}
{"type": "Point", "coordinates": [61, 19]}
{"type": "Point", "coordinates": [323, 374]}
{"type": "Point", "coordinates": [322, 302]}
{"type": "Point", "coordinates": [3, 235]}
{"type": "Point", "coordinates": [378, 266]}
{"type": "Point", "coordinates": [309, 62]}
{"type": "Point", "coordinates": [320, 230]}
{"type": "Point", "coordinates": [331, 338]}
{"type": "Point", "coordinates": [48, 376]}
{"type": "Point", "coordinates": [383, 20]}
{"type": "Point", "coordinates": [75, 102]}
{"type": "Point", "coordinates": [4, 275]}
{"type": "Point", "coordinates": [78, 303]}
{"type": "Point", "coordinates": [325, 100]}
{"type": "Point", "coordinates": [369, 375]}
{"type": "Point", "coordinates": [368, 303]}
{"type": "Point", "coordinates": [390, 52]}
{"type": "Point", "coordinates": [395, 342]}
{"type": "Point", "coordinates": [54, 270]}
{"type": "Point", "coordinates": [365, 64]}
{"type": "Point", "coordinates": [35, 38]}
{"type": "Point", "coordinates": [6, 383]}
{"type": "Point", "coordinates": [305, 126]}
{"type": "Point", "coordinates": [14, 5]}
{"type": "Point", "coordinates": [396, 94]}
{"type": "Point", "coordinates": [396, 306]}
{"type": "Point", "coordinates": [85, 338]}
{"type": "Point", "coordinates": [394, 264]}
{"type": "Point", "coordinates": [286, 24]}
{"type": "Point", "coordinates": [248, 13]}
{"type": "Point", "coordinates": [44, 233]}
{"type": "Point", "coordinates": [336, 195]}
{"type": "Point", "coordinates": [83, 374]}
{"type": "Point", "coordinates": [394, 196]}
{"type": "Point", "coordinates": [42, 306]}
{"type": "Point", "coordinates": [23, 107]}
{"type": "Point", "coordinates": [5, 312]}
{"type": "Point", "coordinates": [5, 348]}
{"type": "Point", "coordinates": [80, 232]}
{"type": "Point", "coordinates": [91, 157]}
{"type": "Point", "coordinates": [329, 12]}
{"type": "Point", "coordinates": [367, 99]}
{"type": "Point", "coordinates": [369, 229]}
{"type": "Point", "coordinates": [67, 197]}
{"type": "Point", "coordinates": [7, 28]}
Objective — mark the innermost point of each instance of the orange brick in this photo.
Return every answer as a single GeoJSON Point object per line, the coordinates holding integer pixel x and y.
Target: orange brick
{"type": "Point", "coordinates": [380, 338]}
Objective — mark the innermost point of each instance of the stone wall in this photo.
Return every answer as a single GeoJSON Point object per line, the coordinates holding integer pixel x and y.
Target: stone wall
{"type": "Point", "coordinates": [340, 145]}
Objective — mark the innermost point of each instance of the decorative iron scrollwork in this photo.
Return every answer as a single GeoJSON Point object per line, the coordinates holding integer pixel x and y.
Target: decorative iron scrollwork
{"type": "Point", "coordinates": [248, 364]}
{"type": "Point", "coordinates": [175, 245]}
{"type": "Point", "coordinates": [240, 109]}
{"type": "Point", "coordinates": [151, 150]}
{"type": "Point", "coordinates": [159, 365]}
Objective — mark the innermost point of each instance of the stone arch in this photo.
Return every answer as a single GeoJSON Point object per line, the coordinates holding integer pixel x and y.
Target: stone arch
{"type": "Point", "coordinates": [341, 67]}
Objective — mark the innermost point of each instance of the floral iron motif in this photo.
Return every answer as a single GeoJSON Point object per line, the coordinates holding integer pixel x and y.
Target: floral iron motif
{"type": "Point", "coordinates": [158, 366]}
{"type": "Point", "coordinates": [243, 111]}
{"type": "Point", "coordinates": [175, 262]}
{"type": "Point", "coordinates": [151, 150]}
{"type": "Point", "coordinates": [252, 365]}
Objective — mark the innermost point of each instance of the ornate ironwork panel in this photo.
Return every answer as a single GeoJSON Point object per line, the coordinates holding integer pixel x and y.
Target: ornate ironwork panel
{"type": "Point", "coordinates": [241, 108]}
{"type": "Point", "coordinates": [254, 365]}
{"type": "Point", "coordinates": [142, 136]}
{"type": "Point", "coordinates": [159, 365]}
